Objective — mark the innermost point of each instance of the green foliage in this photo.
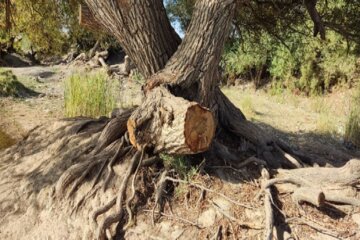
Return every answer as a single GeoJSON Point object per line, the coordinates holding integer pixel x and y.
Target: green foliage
{"type": "Point", "coordinates": [272, 41]}
{"type": "Point", "coordinates": [181, 166]}
{"type": "Point", "coordinates": [89, 94]}
{"type": "Point", "coordinates": [137, 77]}
{"type": "Point", "coordinates": [11, 87]}
{"type": "Point", "coordinates": [299, 62]}
{"type": "Point", "coordinates": [352, 128]}
{"type": "Point", "coordinates": [180, 11]}
{"type": "Point", "coordinates": [47, 28]}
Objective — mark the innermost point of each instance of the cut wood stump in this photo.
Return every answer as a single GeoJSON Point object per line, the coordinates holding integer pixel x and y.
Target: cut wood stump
{"type": "Point", "coordinates": [171, 124]}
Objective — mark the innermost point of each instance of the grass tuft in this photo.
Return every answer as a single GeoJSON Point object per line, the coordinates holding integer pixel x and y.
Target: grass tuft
{"type": "Point", "coordinates": [89, 94]}
{"type": "Point", "coordinates": [181, 166]}
{"type": "Point", "coordinates": [325, 124]}
{"type": "Point", "coordinates": [352, 127]}
{"type": "Point", "coordinates": [247, 106]}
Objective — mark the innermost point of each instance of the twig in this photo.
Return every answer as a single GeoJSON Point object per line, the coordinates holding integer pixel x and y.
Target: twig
{"type": "Point", "coordinates": [128, 209]}
{"type": "Point", "coordinates": [209, 190]}
{"type": "Point", "coordinates": [231, 218]}
{"type": "Point", "coordinates": [269, 215]}
{"type": "Point", "coordinates": [177, 218]}
{"type": "Point", "coordinates": [201, 197]}
{"type": "Point", "coordinates": [217, 233]}
{"type": "Point", "coordinates": [160, 187]}
{"type": "Point", "coordinates": [313, 225]}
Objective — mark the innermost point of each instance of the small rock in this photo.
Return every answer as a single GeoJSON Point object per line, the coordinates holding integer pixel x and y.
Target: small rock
{"type": "Point", "coordinates": [356, 219]}
{"type": "Point", "coordinates": [207, 218]}
{"type": "Point", "coordinates": [223, 204]}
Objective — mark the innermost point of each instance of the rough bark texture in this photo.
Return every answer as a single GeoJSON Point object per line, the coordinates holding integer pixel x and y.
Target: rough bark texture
{"type": "Point", "coordinates": [316, 185]}
{"type": "Point", "coordinates": [87, 20]}
{"type": "Point", "coordinates": [143, 30]}
{"type": "Point", "coordinates": [171, 124]}
{"type": "Point", "coordinates": [193, 71]}
{"type": "Point", "coordinates": [315, 17]}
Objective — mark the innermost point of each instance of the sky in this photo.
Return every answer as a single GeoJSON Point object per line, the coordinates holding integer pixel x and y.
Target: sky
{"type": "Point", "coordinates": [176, 24]}
{"type": "Point", "coordinates": [177, 27]}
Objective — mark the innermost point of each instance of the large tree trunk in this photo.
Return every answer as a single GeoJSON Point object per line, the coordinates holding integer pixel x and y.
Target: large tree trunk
{"type": "Point", "coordinates": [192, 72]}
{"type": "Point", "coordinates": [183, 112]}
{"type": "Point", "coordinates": [143, 30]}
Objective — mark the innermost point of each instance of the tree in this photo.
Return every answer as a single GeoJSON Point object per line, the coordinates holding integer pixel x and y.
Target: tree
{"type": "Point", "coordinates": [183, 111]}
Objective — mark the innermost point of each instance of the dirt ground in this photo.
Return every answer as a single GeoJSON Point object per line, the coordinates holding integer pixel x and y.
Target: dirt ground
{"type": "Point", "coordinates": [29, 209]}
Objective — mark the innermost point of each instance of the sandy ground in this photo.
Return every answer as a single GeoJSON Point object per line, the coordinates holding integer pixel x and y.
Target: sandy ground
{"type": "Point", "coordinates": [29, 209]}
{"type": "Point", "coordinates": [18, 116]}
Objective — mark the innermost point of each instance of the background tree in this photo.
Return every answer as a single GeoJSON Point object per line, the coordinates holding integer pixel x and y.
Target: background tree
{"type": "Point", "coordinates": [270, 41]}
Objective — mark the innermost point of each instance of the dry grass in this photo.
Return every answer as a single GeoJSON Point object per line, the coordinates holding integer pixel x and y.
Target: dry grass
{"type": "Point", "coordinates": [325, 124]}
{"type": "Point", "coordinates": [352, 127]}
{"type": "Point", "coordinates": [89, 94]}
{"type": "Point", "coordinates": [244, 100]}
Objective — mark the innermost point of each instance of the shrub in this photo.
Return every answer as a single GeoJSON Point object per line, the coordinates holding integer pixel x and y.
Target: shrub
{"type": "Point", "coordinates": [181, 165]}
{"type": "Point", "coordinates": [299, 62]}
{"type": "Point", "coordinates": [11, 87]}
{"type": "Point", "coordinates": [89, 94]}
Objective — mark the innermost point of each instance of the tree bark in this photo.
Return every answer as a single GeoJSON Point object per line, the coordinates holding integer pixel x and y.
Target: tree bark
{"type": "Point", "coordinates": [192, 72]}
{"type": "Point", "coordinates": [171, 124]}
{"type": "Point", "coordinates": [143, 30]}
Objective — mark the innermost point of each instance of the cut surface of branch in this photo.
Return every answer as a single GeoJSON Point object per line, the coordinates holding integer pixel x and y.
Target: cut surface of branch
{"type": "Point", "coordinates": [171, 124]}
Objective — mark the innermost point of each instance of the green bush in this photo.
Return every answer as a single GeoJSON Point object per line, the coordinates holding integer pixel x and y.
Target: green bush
{"type": "Point", "coordinates": [89, 94]}
{"type": "Point", "coordinates": [299, 62]}
{"type": "Point", "coordinates": [181, 165]}
{"type": "Point", "coordinates": [11, 87]}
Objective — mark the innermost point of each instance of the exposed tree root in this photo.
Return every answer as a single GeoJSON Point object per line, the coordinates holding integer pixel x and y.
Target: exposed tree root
{"type": "Point", "coordinates": [93, 160]}
{"type": "Point", "coordinates": [160, 190]}
{"type": "Point", "coordinates": [114, 218]}
{"type": "Point", "coordinates": [269, 215]}
{"type": "Point", "coordinates": [317, 185]}
{"type": "Point", "coordinates": [131, 198]}
{"type": "Point", "coordinates": [209, 190]}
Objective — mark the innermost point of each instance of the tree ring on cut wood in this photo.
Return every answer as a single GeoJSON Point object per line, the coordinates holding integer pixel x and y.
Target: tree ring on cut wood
{"type": "Point", "coordinates": [199, 128]}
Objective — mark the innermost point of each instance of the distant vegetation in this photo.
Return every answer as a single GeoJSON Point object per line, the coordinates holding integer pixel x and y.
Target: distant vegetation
{"type": "Point", "coordinates": [89, 94]}
{"type": "Point", "coordinates": [272, 42]}
{"type": "Point", "coordinates": [41, 29]}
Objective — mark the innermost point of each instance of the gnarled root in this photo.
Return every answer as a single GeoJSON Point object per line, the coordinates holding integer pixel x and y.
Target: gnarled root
{"type": "Point", "coordinates": [319, 185]}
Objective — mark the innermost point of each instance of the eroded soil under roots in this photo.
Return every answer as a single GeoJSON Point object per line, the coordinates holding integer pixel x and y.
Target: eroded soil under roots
{"type": "Point", "coordinates": [85, 178]}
